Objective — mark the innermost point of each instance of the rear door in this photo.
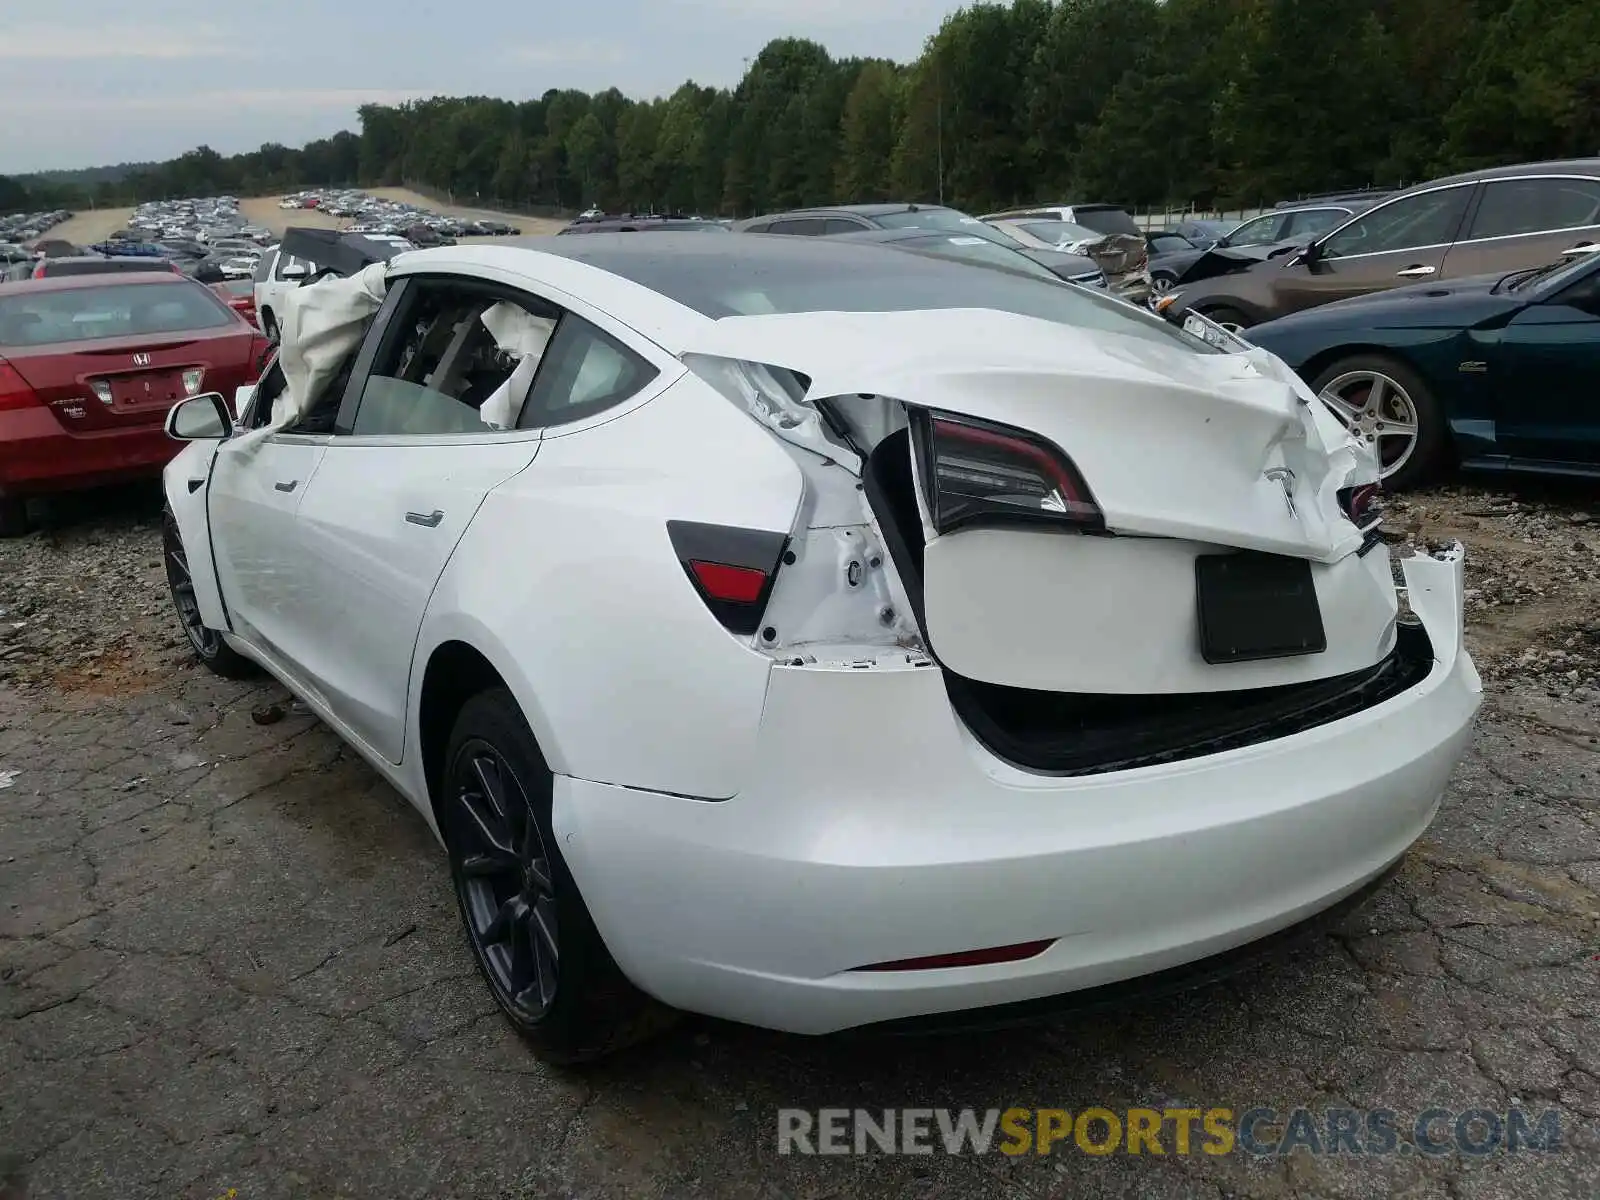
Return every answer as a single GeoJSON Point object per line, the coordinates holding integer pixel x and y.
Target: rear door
{"type": "Point", "coordinates": [1527, 222]}
{"type": "Point", "coordinates": [1403, 241]}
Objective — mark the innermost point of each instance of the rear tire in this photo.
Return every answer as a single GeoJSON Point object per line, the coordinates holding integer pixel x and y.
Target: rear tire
{"type": "Point", "coordinates": [529, 930]}
{"type": "Point", "coordinates": [207, 643]}
{"type": "Point", "coordinates": [14, 522]}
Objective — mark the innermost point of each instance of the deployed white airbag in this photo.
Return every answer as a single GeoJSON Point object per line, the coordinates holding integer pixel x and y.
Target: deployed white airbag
{"type": "Point", "coordinates": [516, 331]}
{"type": "Point", "coordinates": [322, 326]}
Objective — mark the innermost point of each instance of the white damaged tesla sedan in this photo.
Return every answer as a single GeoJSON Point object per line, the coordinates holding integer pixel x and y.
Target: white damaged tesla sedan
{"type": "Point", "coordinates": [820, 636]}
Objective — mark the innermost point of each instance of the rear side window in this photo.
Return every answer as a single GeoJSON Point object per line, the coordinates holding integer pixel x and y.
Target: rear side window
{"type": "Point", "coordinates": [840, 225]}
{"type": "Point", "coordinates": [811, 226]}
{"type": "Point", "coordinates": [584, 371]}
{"type": "Point", "coordinates": [264, 266]}
{"type": "Point", "coordinates": [121, 310]}
{"type": "Point", "coordinates": [1517, 206]}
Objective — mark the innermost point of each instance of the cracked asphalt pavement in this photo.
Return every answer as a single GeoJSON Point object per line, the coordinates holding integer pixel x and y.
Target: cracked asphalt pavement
{"type": "Point", "coordinates": [230, 965]}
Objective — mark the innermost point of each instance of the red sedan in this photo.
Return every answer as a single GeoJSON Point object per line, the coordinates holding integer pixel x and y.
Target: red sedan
{"type": "Point", "coordinates": [89, 366]}
{"type": "Point", "coordinates": [239, 295]}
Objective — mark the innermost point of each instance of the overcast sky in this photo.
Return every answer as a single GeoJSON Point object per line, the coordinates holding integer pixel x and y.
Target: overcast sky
{"type": "Point", "coordinates": [88, 82]}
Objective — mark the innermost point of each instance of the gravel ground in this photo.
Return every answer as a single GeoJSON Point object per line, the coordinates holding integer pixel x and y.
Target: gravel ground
{"type": "Point", "coordinates": [230, 965]}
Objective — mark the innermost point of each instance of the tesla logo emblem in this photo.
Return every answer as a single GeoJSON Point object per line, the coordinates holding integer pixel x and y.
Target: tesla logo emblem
{"type": "Point", "coordinates": [141, 360]}
{"type": "Point", "coordinates": [1285, 478]}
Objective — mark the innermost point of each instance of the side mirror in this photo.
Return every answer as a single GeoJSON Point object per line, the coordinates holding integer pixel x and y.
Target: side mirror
{"type": "Point", "coordinates": [296, 271]}
{"type": "Point", "coordinates": [201, 418]}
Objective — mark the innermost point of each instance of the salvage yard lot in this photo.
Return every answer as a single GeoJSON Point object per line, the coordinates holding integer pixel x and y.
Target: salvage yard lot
{"type": "Point", "coordinates": [229, 956]}
{"type": "Point", "coordinates": [95, 225]}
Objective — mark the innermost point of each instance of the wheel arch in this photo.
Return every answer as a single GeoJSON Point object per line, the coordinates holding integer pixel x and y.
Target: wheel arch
{"type": "Point", "coordinates": [459, 664]}
{"type": "Point", "coordinates": [1319, 362]}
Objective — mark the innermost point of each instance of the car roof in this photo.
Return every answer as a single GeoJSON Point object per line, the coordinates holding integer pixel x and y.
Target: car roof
{"type": "Point", "coordinates": [1558, 166]}
{"type": "Point", "coordinates": [72, 283]}
{"type": "Point", "coordinates": [855, 210]}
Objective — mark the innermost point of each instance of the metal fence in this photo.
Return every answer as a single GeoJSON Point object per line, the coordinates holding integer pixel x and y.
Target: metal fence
{"type": "Point", "coordinates": [477, 201]}
{"type": "Point", "coordinates": [1148, 219]}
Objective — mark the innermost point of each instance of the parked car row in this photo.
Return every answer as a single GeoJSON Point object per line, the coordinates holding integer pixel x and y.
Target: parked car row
{"type": "Point", "coordinates": [30, 226]}
{"type": "Point", "coordinates": [375, 214]}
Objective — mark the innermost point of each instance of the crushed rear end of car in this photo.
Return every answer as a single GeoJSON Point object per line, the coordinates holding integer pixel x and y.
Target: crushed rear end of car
{"type": "Point", "coordinates": [1088, 661]}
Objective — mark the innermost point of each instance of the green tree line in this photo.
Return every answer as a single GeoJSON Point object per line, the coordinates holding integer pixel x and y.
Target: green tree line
{"type": "Point", "coordinates": [1139, 102]}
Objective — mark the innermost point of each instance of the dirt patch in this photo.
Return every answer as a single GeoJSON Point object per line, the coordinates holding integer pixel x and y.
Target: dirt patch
{"type": "Point", "coordinates": [1533, 577]}
{"type": "Point", "coordinates": [95, 225]}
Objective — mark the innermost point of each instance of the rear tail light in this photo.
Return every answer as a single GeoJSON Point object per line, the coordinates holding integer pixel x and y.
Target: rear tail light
{"type": "Point", "coordinates": [732, 569]}
{"type": "Point", "coordinates": [192, 379]}
{"type": "Point", "coordinates": [1363, 505]}
{"type": "Point", "coordinates": [15, 391]}
{"type": "Point", "coordinates": [38, 270]}
{"type": "Point", "coordinates": [966, 958]}
{"type": "Point", "coordinates": [980, 473]}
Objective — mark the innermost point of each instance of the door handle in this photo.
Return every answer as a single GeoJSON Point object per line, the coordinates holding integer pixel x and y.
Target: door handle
{"type": "Point", "coordinates": [427, 520]}
{"type": "Point", "coordinates": [1415, 272]}
{"type": "Point", "coordinates": [287, 487]}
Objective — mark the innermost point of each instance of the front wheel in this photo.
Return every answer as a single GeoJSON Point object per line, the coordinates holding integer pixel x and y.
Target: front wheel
{"type": "Point", "coordinates": [527, 925]}
{"type": "Point", "coordinates": [1387, 405]}
{"type": "Point", "coordinates": [206, 642]}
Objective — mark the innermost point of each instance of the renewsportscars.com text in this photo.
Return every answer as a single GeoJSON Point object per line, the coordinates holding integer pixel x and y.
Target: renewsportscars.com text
{"type": "Point", "coordinates": [1178, 1131]}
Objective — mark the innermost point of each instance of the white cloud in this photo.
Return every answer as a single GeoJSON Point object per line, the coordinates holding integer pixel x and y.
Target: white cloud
{"type": "Point", "coordinates": [576, 52]}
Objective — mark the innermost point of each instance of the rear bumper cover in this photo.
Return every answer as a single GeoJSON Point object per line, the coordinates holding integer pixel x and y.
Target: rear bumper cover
{"type": "Point", "coordinates": [878, 829]}
{"type": "Point", "coordinates": [38, 455]}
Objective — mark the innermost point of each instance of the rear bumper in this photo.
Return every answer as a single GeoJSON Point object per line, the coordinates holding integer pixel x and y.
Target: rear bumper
{"type": "Point", "coordinates": [879, 830]}
{"type": "Point", "coordinates": [37, 455]}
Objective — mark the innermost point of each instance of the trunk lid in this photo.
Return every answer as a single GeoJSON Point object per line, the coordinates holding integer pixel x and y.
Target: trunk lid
{"type": "Point", "coordinates": [131, 382]}
{"type": "Point", "coordinates": [1187, 454]}
{"type": "Point", "coordinates": [1172, 442]}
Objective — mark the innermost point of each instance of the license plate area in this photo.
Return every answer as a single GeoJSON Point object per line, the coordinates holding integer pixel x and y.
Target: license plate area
{"type": "Point", "coordinates": [154, 389]}
{"type": "Point", "coordinates": [1255, 606]}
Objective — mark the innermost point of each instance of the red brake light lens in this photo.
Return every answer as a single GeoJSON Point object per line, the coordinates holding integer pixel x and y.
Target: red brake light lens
{"type": "Point", "coordinates": [15, 391]}
{"type": "Point", "coordinates": [733, 585]}
{"type": "Point", "coordinates": [1363, 504]}
{"type": "Point", "coordinates": [732, 569]}
{"type": "Point", "coordinates": [966, 958]}
{"type": "Point", "coordinates": [980, 472]}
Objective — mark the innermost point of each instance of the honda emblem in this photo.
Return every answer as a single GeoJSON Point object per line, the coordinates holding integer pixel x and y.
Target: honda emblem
{"type": "Point", "coordinates": [141, 360]}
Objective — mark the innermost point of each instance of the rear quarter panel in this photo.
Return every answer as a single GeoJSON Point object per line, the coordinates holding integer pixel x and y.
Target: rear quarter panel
{"type": "Point", "coordinates": [566, 581]}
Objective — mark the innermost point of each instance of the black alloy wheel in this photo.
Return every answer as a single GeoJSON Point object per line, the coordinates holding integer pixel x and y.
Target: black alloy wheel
{"type": "Point", "coordinates": [508, 890]}
{"type": "Point", "coordinates": [534, 940]}
{"type": "Point", "coordinates": [206, 642]}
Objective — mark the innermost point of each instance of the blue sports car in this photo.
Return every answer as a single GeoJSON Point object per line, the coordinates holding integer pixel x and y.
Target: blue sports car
{"type": "Point", "coordinates": [1495, 371]}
